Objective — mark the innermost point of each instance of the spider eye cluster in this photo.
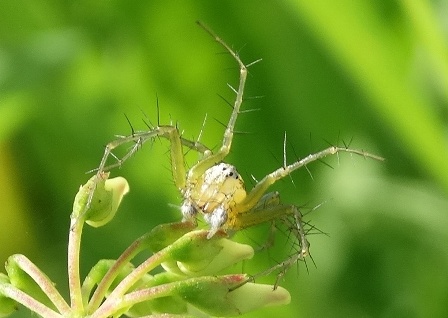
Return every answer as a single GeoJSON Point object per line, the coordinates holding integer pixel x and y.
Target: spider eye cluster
{"type": "Point", "coordinates": [220, 173]}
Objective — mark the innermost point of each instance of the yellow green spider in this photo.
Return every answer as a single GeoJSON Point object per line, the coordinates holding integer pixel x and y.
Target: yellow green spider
{"type": "Point", "coordinates": [215, 189]}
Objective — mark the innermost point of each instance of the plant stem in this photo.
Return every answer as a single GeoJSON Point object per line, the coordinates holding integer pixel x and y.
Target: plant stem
{"type": "Point", "coordinates": [136, 247]}
{"type": "Point", "coordinates": [113, 302]}
{"type": "Point", "coordinates": [43, 282]}
{"type": "Point", "coordinates": [16, 294]}
{"type": "Point", "coordinates": [74, 281]}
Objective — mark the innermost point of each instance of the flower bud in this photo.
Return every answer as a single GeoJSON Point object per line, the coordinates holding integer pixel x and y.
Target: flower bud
{"type": "Point", "coordinates": [107, 195]}
{"type": "Point", "coordinates": [230, 295]}
{"type": "Point", "coordinates": [196, 255]}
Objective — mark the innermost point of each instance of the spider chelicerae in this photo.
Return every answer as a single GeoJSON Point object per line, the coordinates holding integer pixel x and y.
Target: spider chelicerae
{"type": "Point", "coordinates": [214, 188]}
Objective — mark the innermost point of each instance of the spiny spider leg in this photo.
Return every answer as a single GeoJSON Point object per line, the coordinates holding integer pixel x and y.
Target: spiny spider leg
{"type": "Point", "coordinates": [253, 217]}
{"type": "Point", "coordinates": [258, 207]}
{"type": "Point", "coordinates": [275, 213]}
{"type": "Point", "coordinates": [139, 138]}
{"type": "Point", "coordinates": [217, 157]}
{"type": "Point", "coordinates": [260, 188]}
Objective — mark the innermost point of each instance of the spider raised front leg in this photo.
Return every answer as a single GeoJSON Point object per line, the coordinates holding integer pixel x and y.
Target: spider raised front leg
{"type": "Point", "coordinates": [214, 188]}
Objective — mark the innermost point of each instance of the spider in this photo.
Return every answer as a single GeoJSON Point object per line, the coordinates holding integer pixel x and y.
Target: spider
{"type": "Point", "coordinates": [214, 188]}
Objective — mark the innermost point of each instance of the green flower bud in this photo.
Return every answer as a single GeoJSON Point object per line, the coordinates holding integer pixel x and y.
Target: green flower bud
{"type": "Point", "coordinates": [165, 234]}
{"type": "Point", "coordinates": [252, 296]}
{"type": "Point", "coordinates": [222, 296]}
{"type": "Point", "coordinates": [168, 304]}
{"type": "Point", "coordinates": [230, 295]}
{"type": "Point", "coordinates": [196, 255]}
{"type": "Point", "coordinates": [107, 195]}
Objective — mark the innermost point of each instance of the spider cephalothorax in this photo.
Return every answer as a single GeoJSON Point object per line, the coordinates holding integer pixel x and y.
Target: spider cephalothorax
{"type": "Point", "coordinates": [215, 189]}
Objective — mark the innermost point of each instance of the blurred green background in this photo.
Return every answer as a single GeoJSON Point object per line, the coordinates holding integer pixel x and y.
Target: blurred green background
{"type": "Point", "coordinates": [374, 71]}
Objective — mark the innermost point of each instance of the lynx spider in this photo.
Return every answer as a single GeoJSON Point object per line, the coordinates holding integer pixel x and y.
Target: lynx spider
{"type": "Point", "coordinates": [214, 188]}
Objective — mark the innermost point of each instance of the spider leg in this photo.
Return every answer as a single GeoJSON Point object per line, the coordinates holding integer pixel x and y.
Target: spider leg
{"type": "Point", "coordinates": [291, 216]}
{"type": "Point", "coordinates": [217, 157]}
{"type": "Point", "coordinates": [260, 188]}
{"type": "Point", "coordinates": [270, 209]}
{"type": "Point", "coordinates": [139, 138]}
{"type": "Point", "coordinates": [254, 217]}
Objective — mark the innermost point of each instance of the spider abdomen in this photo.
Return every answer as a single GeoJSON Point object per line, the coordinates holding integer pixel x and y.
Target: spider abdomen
{"type": "Point", "coordinates": [219, 186]}
{"type": "Point", "coordinates": [215, 193]}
